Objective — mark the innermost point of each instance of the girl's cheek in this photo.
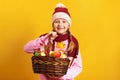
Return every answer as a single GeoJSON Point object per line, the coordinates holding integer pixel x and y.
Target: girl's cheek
{"type": "Point", "coordinates": [55, 25]}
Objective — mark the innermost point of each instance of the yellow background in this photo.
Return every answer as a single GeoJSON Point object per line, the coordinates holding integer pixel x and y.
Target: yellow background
{"type": "Point", "coordinates": [95, 23]}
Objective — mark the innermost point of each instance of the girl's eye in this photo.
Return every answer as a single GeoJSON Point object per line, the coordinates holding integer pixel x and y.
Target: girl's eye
{"type": "Point", "coordinates": [64, 21]}
{"type": "Point", "coordinates": [56, 21]}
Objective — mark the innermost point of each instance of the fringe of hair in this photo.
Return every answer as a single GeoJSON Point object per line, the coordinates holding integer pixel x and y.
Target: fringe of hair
{"type": "Point", "coordinates": [71, 46]}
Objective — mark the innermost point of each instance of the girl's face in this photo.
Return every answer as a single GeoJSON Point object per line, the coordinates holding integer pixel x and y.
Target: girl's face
{"type": "Point", "coordinates": [61, 26]}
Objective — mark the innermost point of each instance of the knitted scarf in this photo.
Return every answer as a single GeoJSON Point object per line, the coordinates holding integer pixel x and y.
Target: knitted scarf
{"type": "Point", "coordinates": [69, 37]}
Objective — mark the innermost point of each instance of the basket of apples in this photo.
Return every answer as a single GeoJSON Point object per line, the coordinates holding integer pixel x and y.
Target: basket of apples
{"type": "Point", "coordinates": [54, 64]}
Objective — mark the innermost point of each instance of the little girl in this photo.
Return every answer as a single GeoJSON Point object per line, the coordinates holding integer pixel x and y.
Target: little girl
{"type": "Point", "coordinates": [60, 35]}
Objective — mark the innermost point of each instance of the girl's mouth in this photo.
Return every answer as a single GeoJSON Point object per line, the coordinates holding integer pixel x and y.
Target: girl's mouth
{"type": "Point", "coordinates": [60, 28]}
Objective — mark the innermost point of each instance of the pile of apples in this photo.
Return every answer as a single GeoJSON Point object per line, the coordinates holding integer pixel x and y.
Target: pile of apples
{"type": "Point", "coordinates": [56, 54]}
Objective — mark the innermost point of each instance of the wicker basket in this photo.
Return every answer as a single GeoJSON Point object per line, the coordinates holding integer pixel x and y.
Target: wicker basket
{"type": "Point", "coordinates": [50, 66]}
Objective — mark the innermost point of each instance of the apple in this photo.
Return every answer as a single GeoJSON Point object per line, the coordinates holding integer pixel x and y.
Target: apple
{"type": "Point", "coordinates": [42, 54]}
{"type": "Point", "coordinates": [63, 55]}
{"type": "Point", "coordinates": [57, 54]}
{"type": "Point", "coordinates": [51, 53]}
{"type": "Point", "coordinates": [37, 54]}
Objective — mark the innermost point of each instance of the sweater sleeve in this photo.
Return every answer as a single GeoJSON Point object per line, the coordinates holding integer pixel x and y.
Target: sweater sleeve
{"type": "Point", "coordinates": [74, 70]}
{"type": "Point", "coordinates": [35, 44]}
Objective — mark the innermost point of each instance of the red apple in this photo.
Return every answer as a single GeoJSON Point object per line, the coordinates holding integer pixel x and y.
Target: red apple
{"type": "Point", "coordinates": [57, 54]}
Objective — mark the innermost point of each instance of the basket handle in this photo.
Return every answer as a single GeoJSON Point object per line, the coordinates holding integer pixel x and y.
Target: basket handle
{"type": "Point", "coordinates": [71, 62]}
{"type": "Point", "coordinates": [49, 46]}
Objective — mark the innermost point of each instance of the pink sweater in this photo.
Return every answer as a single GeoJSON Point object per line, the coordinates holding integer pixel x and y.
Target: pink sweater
{"type": "Point", "coordinates": [73, 70]}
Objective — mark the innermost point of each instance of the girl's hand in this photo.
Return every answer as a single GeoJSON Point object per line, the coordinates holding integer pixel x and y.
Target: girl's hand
{"type": "Point", "coordinates": [52, 35]}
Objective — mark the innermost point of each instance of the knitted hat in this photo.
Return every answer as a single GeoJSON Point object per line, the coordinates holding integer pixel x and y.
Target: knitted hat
{"type": "Point", "coordinates": [61, 12]}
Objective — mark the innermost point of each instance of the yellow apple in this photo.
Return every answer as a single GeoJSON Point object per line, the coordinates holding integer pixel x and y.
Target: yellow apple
{"type": "Point", "coordinates": [42, 54]}
{"type": "Point", "coordinates": [63, 55]}
{"type": "Point", "coordinates": [51, 53]}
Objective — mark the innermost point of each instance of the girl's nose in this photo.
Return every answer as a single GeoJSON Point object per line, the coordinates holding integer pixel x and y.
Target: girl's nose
{"type": "Point", "coordinates": [60, 23]}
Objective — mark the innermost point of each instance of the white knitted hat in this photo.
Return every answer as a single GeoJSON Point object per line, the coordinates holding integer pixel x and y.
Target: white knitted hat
{"type": "Point", "coordinates": [61, 12]}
